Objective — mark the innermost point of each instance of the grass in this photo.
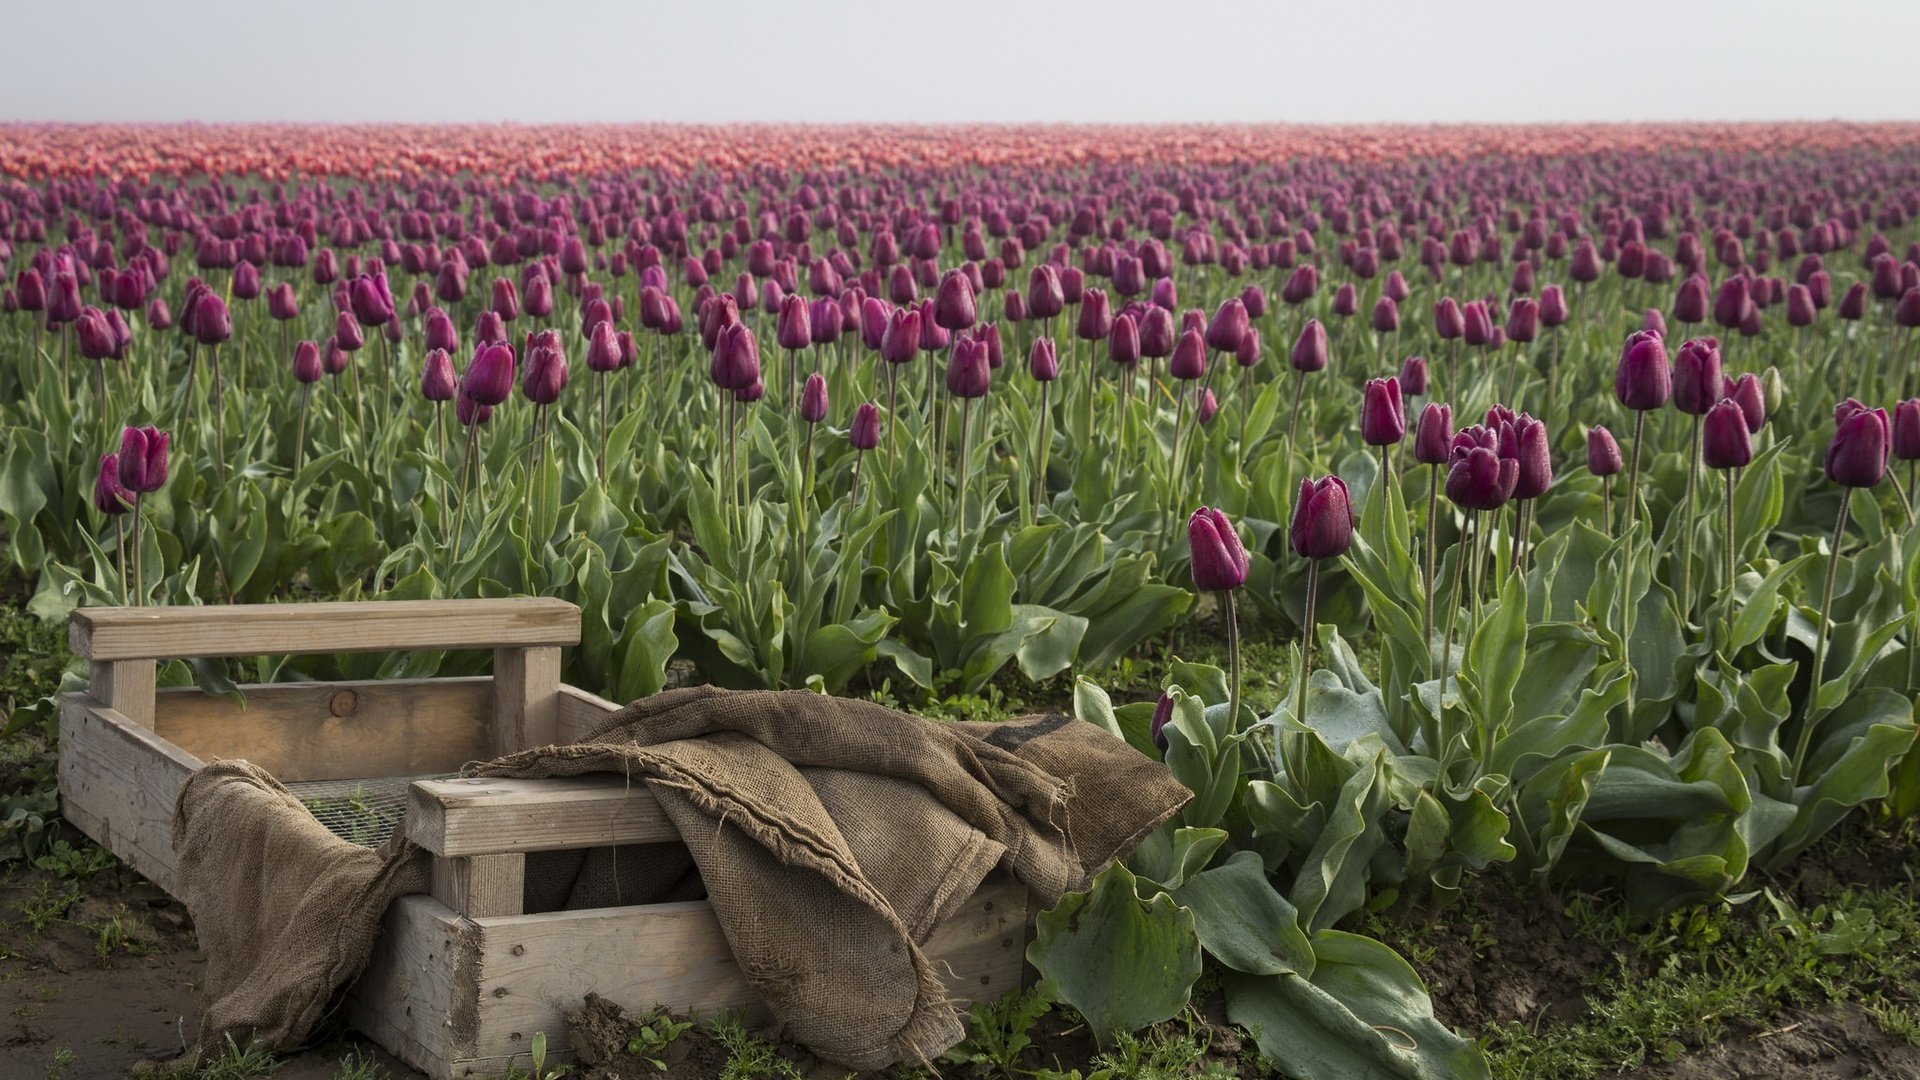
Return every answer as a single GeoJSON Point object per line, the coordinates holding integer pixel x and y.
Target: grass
{"type": "Point", "coordinates": [749, 1057]}
{"type": "Point", "coordinates": [1725, 965]}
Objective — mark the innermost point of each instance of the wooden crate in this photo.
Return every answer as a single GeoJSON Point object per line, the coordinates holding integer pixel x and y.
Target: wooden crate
{"type": "Point", "coordinates": [462, 978]}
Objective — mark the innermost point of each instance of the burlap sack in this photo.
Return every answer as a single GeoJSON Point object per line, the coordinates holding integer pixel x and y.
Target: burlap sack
{"type": "Point", "coordinates": [831, 836]}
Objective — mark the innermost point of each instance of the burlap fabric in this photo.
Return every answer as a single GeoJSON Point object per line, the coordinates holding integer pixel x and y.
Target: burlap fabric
{"type": "Point", "coordinates": [831, 836]}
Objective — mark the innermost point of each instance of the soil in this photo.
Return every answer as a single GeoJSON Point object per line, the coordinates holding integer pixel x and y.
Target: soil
{"type": "Point", "coordinates": [1824, 1044]}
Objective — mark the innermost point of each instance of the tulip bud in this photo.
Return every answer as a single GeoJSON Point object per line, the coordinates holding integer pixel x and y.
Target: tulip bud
{"type": "Point", "coordinates": [1383, 418]}
{"type": "Point", "coordinates": [1907, 312]}
{"type": "Point", "coordinates": [506, 299]}
{"type": "Point", "coordinates": [794, 327]}
{"type": "Point", "coordinates": [109, 495]}
{"type": "Point", "coordinates": [1524, 439]}
{"type": "Point", "coordinates": [603, 350]}
{"type": "Point", "coordinates": [1220, 562]}
{"type": "Point", "coordinates": [1642, 381]}
{"type": "Point", "coordinates": [1522, 320]}
{"type": "Point", "coordinates": [968, 374]}
{"type": "Point", "coordinates": [1043, 362]}
{"type": "Point", "coordinates": [436, 379]}
{"type": "Point", "coordinates": [1208, 408]}
{"type": "Point", "coordinates": [1322, 526]}
{"type": "Point", "coordinates": [1448, 320]}
{"type": "Point", "coordinates": [470, 412]}
{"type": "Point", "coordinates": [1690, 302]}
{"type": "Point", "coordinates": [1725, 441]}
{"type": "Point", "coordinates": [371, 303]}
{"type": "Point", "coordinates": [953, 306]}
{"type": "Point", "coordinates": [1749, 395]}
{"type": "Point", "coordinates": [539, 302]}
{"type": "Point", "coordinates": [1553, 306]}
{"type": "Point", "coordinates": [282, 304]}
{"type": "Point", "coordinates": [1189, 356]}
{"type": "Point", "coordinates": [1853, 306]}
{"type": "Point", "coordinates": [1123, 344]}
{"type": "Point", "coordinates": [489, 377]}
{"type": "Point", "coordinates": [1310, 349]}
{"type": "Point", "coordinates": [1230, 324]}
{"type": "Point", "coordinates": [1096, 318]}
{"type": "Point", "coordinates": [735, 363]}
{"type": "Point", "coordinates": [865, 432]}
{"type": "Point", "coordinates": [1800, 309]}
{"type": "Point", "coordinates": [1045, 295]}
{"type": "Point", "coordinates": [1433, 438]}
{"type": "Point", "coordinates": [306, 362]}
{"type": "Point", "coordinates": [1906, 430]}
{"type": "Point", "coordinates": [440, 331]}
{"type": "Point", "coordinates": [347, 333]}
{"type": "Point", "coordinates": [1413, 377]}
{"type": "Point", "coordinates": [213, 323]}
{"type": "Point", "coordinates": [158, 317]}
{"type": "Point", "coordinates": [96, 337]}
{"type": "Point", "coordinates": [813, 399]}
{"type": "Point", "coordinates": [1857, 456]}
{"type": "Point", "coordinates": [1300, 285]}
{"type": "Point", "coordinates": [1162, 715]}
{"type": "Point", "coordinates": [1732, 303]}
{"type": "Point", "coordinates": [1697, 380]}
{"type": "Point", "coordinates": [143, 458]}
{"type": "Point", "coordinates": [1346, 300]}
{"type": "Point", "coordinates": [1603, 453]}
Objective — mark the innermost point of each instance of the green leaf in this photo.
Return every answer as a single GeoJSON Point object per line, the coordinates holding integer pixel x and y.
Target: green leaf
{"type": "Point", "coordinates": [1122, 963]}
{"type": "Point", "coordinates": [1242, 922]}
{"type": "Point", "coordinates": [1498, 653]}
{"type": "Point", "coordinates": [1362, 1013]}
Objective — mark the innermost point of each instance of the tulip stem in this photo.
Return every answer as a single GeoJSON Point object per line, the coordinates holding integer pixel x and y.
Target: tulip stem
{"type": "Point", "coordinates": [1043, 443]}
{"type": "Point", "coordinates": [1606, 505]}
{"type": "Point", "coordinates": [1627, 598]}
{"type": "Point", "coordinates": [1686, 549]}
{"type": "Point", "coordinates": [1231, 615]}
{"type": "Point", "coordinates": [602, 384]}
{"type": "Point", "coordinates": [300, 438]}
{"type": "Point", "coordinates": [120, 548]}
{"type": "Point", "coordinates": [1306, 643]}
{"type": "Point", "coordinates": [219, 424]}
{"type": "Point", "coordinates": [1432, 546]}
{"type": "Point", "coordinates": [966, 415]}
{"type": "Point", "coordinates": [1809, 717]}
{"type": "Point", "coordinates": [139, 570]}
{"type": "Point", "coordinates": [1906, 503]}
{"type": "Point", "coordinates": [1293, 425]}
{"type": "Point", "coordinates": [1727, 600]}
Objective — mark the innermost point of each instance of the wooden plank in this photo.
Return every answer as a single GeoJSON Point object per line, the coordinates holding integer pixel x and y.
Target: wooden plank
{"type": "Point", "coordinates": [148, 633]}
{"type": "Point", "coordinates": [526, 698]}
{"type": "Point", "coordinates": [418, 985]}
{"type": "Point", "coordinates": [535, 967]}
{"type": "Point", "coordinates": [488, 815]}
{"type": "Point", "coordinates": [337, 731]}
{"type": "Point", "coordinates": [580, 714]}
{"type": "Point", "coordinates": [481, 885]}
{"type": "Point", "coordinates": [118, 784]}
{"type": "Point", "coordinates": [125, 686]}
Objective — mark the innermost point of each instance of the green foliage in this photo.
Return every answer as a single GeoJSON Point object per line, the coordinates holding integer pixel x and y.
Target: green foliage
{"type": "Point", "coordinates": [653, 1033]}
{"type": "Point", "coordinates": [998, 1030]}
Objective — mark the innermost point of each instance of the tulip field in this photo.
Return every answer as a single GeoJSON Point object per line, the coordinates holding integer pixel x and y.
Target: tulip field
{"type": "Point", "coordinates": [1451, 509]}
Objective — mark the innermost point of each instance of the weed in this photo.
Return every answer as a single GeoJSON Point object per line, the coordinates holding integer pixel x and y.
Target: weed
{"type": "Point", "coordinates": [360, 1065]}
{"type": "Point", "coordinates": [749, 1057]}
{"type": "Point", "coordinates": [79, 863]}
{"type": "Point", "coordinates": [652, 1035]}
{"type": "Point", "coordinates": [57, 1067]}
{"type": "Point", "coordinates": [51, 900]}
{"type": "Point", "coordinates": [997, 1031]}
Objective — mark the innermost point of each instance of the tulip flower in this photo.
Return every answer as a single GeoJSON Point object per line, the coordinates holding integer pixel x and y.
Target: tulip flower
{"type": "Point", "coordinates": [1383, 418]}
{"type": "Point", "coordinates": [1322, 528]}
{"type": "Point", "coordinates": [1728, 447]}
{"type": "Point", "coordinates": [1413, 376]}
{"type": "Point", "coordinates": [112, 498]}
{"type": "Point", "coordinates": [1162, 715]}
{"type": "Point", "coordinates": [1220, 564]}
{"type": "Point", "coordinates": [1856, 458]}
{"type": "Point", "coordinates": [863, 435]}
{"type": "Point", "coordinates": [1432, 446]}
{"type": "Point", "coordinates": [141, 467]}
{"type": "Point", "coordinates": [1309, 353]}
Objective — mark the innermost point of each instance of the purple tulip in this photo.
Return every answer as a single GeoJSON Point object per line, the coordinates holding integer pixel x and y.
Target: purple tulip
{"type": "Point", "coordinates": [1383, 418]}
{"type": "Point", "coordinates": [109, 495]}
{"type": "Point", "coordinates": [1603, 453]}
{"type": "Point", "coordinates": [143, 458]}
{"type": "Point", "coordinates": [1322, 526]}
{"type": "Point", "coordinates": [1220, 562]}
{"type": "Point", "coordinates": [1643, 381]}
{"type": "Point", "coordinates": [968, 374]}
{"type": "Point", "coordinates": [1189, 357]}
{"type": "Point", "coordinates": [813, 399]}
{"type": "Point", "coordinates": [1697, 380]}
{"type": "Point", "coordinates": [306, 363]}
{"type": "Point", "coordinates": [1043, 362]}
{"type": "Point", "coordinates": [1725, 441]}
{"type": "Point", "coordinates": [545, 374]}
{"type": "Point", "coordinates": [865, 432]}
{"type": "Point", "coordinates": [489, 377]}
{"type": "Point", "coordinates": [1310, 349]}
{"type": "Point", "coordinates": [1524, 439]}
{"type": "Point", "coordinates": [1413, 376]}
{"type": "Point", "coordinates": [1433, 437]}
{"type": "Point", "coordinates": [1862, 437]}
{"type": "Point", "coordinates": [436, 378]}
{"type": "Point", "coordinates": [1230, 324]}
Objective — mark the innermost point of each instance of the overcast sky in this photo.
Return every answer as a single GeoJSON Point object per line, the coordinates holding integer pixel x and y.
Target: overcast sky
{"type": "Point", "coordinates": [982, 60]}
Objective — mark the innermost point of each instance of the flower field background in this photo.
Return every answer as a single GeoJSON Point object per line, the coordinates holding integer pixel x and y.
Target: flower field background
{"type": "Point", "coordinates": [1540, 500]}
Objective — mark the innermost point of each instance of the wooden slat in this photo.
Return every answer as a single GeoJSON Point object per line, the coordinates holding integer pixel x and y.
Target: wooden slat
{"type": "Point", "coordinates": [535, 967]}
{"type": "Point", "coordinates": [481, 885]}
{"type": "Point", "coordinates": [406, 998]}
{"type": "Point", "coordinates": [125, 686]}
{"type": "Point", "coordinates": [149, 633]}
{"type": "Point", "coordinates": [337, 731]}
{"type": "Point", "coordinates": [526, 698]}
{"type": "Point", "coordinates": [118, 784]}
{"type": "Point", "coordinates": [484, 816]}
{"type": "Point", "coordinates": [580, 714]}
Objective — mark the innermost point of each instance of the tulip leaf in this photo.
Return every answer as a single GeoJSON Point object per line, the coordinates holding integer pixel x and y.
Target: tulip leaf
{"type": "Point", "coordinates": [1123, 963]}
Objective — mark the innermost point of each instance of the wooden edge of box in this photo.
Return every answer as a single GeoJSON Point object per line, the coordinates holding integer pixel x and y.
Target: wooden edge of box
{"type": "Point", "coordinates": [493, 815]}
{"type": "Point", "coordinates": [119, 783]}
{"type": "Point", "coordinates": [458, 997]}
{"type": "Point", "coordinates": [146, 633]}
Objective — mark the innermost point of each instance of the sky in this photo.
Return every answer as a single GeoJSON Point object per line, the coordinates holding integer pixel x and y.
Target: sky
{"type": "Point", "coordinates": [1117, 61]}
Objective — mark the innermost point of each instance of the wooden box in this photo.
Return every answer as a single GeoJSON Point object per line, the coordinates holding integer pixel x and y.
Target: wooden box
{"type": "Point", "coordinates": [462, 979]}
